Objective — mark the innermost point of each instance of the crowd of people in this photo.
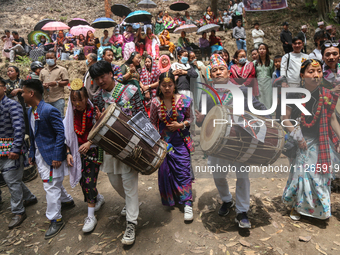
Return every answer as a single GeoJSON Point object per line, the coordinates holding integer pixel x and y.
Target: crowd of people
{"type": "Point", "coordinates": [169, 94]}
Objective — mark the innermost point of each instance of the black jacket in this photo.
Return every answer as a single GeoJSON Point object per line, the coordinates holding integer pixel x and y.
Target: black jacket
{"type": "Point", "coordinates": [286, 36]}
{"type": "Point", "coordinates": [183, 81]}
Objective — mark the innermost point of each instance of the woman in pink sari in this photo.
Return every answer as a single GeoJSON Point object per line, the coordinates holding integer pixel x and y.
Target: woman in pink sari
{"type": "Point", "coordinates": [128, 45]}
{"type": "Point", "coordinates": [7, 43]}
{"type": "Point", "coordinates": [243, 72]}
{"type": "Point", "coordinates": [151, 45]}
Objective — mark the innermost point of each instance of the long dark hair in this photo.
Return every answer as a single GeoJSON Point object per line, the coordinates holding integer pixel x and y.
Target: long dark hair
{"type": "Point", "coordinates": [132, 56]}
{"type": "Point", "coordinates": [267, 55]}
{"type": "Point", "coordinates": [16, 69]}
{"type": "Point", "coordinates": [149, 57]}
{"type": "Point", "coordinates": [78, 93]}
{"type": "Point", "coordinates": [237, 53]}
{"type": "Point", "coordinates": [161, 79]}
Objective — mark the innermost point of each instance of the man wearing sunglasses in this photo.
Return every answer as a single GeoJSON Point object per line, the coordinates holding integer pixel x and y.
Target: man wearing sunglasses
{"type": "Point", "coordinates": [331, 67]}
{"type": "Point", "coordinates": [319, 38]}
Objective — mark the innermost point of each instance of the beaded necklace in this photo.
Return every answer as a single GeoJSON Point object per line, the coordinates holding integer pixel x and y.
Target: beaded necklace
{"type": "Point", "coordinates": [174, 112]}
{"type": "Point", "coordinates": [83, 123]}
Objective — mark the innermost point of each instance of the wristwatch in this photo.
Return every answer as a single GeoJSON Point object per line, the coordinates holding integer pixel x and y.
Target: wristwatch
{"type": "Point", "coordinates": [183, 125]}
{"type": "Point", "coordinates": [149, 87]}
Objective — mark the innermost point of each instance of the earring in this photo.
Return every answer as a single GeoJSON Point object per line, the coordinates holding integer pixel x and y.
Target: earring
{"type": "Point", "coordinates": [303, 82]}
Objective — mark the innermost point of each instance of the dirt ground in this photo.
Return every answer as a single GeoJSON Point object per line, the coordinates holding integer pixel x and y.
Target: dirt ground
{"type": "Point", "coordinates": [161, 230]}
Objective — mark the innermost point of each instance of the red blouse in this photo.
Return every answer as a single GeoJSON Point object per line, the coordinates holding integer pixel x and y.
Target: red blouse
{"type": "Point", "coordinates": [78, 118]}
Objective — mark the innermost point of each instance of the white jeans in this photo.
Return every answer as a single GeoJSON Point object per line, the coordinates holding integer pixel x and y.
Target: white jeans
{"type": "Point", "coordinates": [55, 195]}
{"type": "Point", "coordinates": [126, 185]}
{"type": "Point", "coordinates": [242, 184]}
{"type": "Point", "coordinates": [17, 49]}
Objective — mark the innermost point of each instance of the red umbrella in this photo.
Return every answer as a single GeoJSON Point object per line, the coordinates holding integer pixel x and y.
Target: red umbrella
{"type": "Point", "coordinates": [56, 25]}
{"type": "Point", "coordinates": [179, 6]}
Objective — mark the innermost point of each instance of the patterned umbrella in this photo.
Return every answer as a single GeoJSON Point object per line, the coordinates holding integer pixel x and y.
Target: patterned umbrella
{"type": "Point", "coordinates": [42, 23]}
{"type": "Point", "coordinates": [179, 6]}
{"type": "Point", "coordinates": [55, 25]}
{"type": "Point", "coordinates": [147, 4]}
{"type": "Point", "coordinates": [138, 16]}
{"type": "Point", "coordinates": [103, 23]}
{"type": "Point", "coordinates": [77, 30]}
{"type": "Point", "coordinates": [77, 22]}
{"type": "Point", "coordinates": [34, 37]}
{"type": "Point", "coordinates": [120, 10]}
{"type": "Point", "coordinates": [186, 28]}
{"type": "Point", "coordinates": [207, 28]}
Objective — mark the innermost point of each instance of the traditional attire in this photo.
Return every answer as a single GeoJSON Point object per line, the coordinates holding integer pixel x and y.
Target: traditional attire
{"type": "Point", "coordinates": [7, 45]}
{"type": "Point", "coordinates": [168, 22]}
{"type": "Point", "coordinates": [174, 178]}
{"type": "Point", "coordinates": [129, 45]}
{"type": "Point", "coordinates": [134, 80]}
{"type": "Point", "coordinates": [151, 46]}
{"type": "Point", "coordinates": [117, 49]}
{"type": "Point", "coordinates": [102, 47]}
{"type": "Point", "coordinates": [160, 66]}
{"type": "Point", "coordinates": [308, 189]}
{"type": "Point", "coordinates": [245, 75]}
{"type": "Point", "coordinates": [209, 17]}
{"type": "Point", "coordinates": [167, 41]}
{"type": "Point", "coordinates": [264, 78]}
{"type": "Point", "coordinates": [159, 26]}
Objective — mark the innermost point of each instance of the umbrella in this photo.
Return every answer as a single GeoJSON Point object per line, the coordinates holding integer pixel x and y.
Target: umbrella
{"type": "Point", "coordinates": [179, 6]}
{"type": "Point", "coordinates": [81, 29]}
{"type": "Point", "coordinates": [207, 28]}
{"type": "Point", "coordinates": [147, 4]}
{"type": "Point", "coordinates": [138, 16]}
{"type": "Point", "coordinates": [77, 22]}
{"type": "Point", "coordinates": [42, 23]}
{"type": "Point", "coordinates": [120, 10]}
{"type": "Point", "coordinates": [103, 23]}
{"type": "Point", "coordinates": [34, 37]}
{"type": "Point", "coordinates": [55, 25]}
{"type": "Point", "coordinates": [186, 28]}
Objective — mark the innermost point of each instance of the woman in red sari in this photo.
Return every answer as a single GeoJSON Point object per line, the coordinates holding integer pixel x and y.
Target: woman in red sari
{"type": "Point", "coordinates": [243, 72]}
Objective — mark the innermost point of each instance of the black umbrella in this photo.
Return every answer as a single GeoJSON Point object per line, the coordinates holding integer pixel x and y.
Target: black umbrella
{"type": "Point", "coordinates": [179, 6]}
{"type": "Point", "coordinates": [103, 23]}
{"type": "Point", "coordinates": [120, 10]}
{"type": "Point", "coordinates": [138, 16]}
{"type": "Point", "coordinates": [147, 4]}
{"type": "Point", "coordinates": [42, 23]}
{"type": "Point", "coordinates": [77, 22]}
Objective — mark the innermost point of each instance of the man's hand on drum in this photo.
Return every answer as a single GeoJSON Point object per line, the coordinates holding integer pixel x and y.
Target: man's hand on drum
{"type": "Point", "coordinates": [199, 116]}
{"type": "Point", "coordinates": [84, 148]}
{"type": "Point", "coordinates": [174, 126]}
{"type": "Point", "coordinates": [98, 113]}
{"type": "Point", "coordinates": [13, 155]}
{"type": "Point", "coordinates": [302, 144]}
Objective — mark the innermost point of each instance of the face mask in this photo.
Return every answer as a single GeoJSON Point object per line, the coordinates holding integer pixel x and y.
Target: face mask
{"type": "Point", "coordinates": [184, 60]}
{"type": "Point", "coordinates": [193, 61]}
{"type": "Point", "coordinates": [87, 62]}
{"type": "Point", "coordinates": [225, 14]}
{"type": "Point", "coordinates": [242, 61]}
{"type": "Point", "coordinates": [43, 40]}
{"type": "Point", "coordinates": [50, 62]}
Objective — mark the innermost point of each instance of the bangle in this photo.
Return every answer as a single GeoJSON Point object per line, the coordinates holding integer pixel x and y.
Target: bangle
{"type": "Point", "coordinates": [68, 153]}
{"type": "Point", "coordinates": [183, 125]}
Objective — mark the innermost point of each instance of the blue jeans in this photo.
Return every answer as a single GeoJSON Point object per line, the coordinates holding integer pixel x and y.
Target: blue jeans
{"type": "Point", "coordinates": [241, 44]}
{"type": "Point", "coordinates": [60, 105]}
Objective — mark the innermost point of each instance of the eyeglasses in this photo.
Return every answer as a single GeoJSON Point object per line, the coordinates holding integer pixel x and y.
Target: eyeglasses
{"type": "Point", "coordinates": [328, 44]}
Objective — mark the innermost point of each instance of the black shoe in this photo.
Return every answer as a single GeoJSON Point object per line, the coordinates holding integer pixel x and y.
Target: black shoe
{"type": "Point", "coordinates": [242, 220]}
{"type": "Point", "coordinates": [225, 208]}
{"type": "Point", "coordinates": [17, 220]}
{"type": "Point", "coordinates": [30, 202]}
{"type": "Point", "coordinates": [6, 50]}
{"type": "Point", "coordinates": [55, 227]}
{"type": "Point", "coordinates": [67, 205]}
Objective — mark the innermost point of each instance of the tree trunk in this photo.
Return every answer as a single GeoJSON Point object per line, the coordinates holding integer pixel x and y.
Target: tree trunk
{"type": "Point", "coordinates": [324, 7]}
{"type": "Point", "coordinates": [214, 7]}
{"type": "Point", "coordinates": [108, 8]}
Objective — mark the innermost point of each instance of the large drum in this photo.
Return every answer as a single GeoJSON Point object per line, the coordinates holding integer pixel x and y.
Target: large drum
{"type": "Point", "coordinates": [119, 139]}
{"type": "Point", "coordinates": [232, 142]}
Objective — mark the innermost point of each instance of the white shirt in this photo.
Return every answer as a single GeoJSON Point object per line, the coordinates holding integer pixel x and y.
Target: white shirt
{"type": "Point", "coordinates": [258, 35]}
{"type": "Point", "coordinates": [316, 54]}
{"type": "Point", "coordinates": [240, 7]}
{"type": "Point", "coordinates": [43, 167]}
{"type": "Point", "coordinates": [294, 66]}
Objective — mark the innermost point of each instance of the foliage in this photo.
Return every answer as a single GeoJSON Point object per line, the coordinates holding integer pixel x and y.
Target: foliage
{"type": "Point", "coordinates": [63, 18]}
{"type": "Point", "coordinates": [23, 60]}
{"type": "Point", "coordinates": [41, 59]}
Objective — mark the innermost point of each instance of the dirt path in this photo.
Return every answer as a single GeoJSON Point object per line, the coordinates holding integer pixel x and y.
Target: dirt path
{"type": "Point", "coordinates": [161, 230]}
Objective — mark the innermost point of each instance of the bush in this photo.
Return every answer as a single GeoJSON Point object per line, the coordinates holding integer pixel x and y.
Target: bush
{"type": "Point", "coordinates": [23, 60]}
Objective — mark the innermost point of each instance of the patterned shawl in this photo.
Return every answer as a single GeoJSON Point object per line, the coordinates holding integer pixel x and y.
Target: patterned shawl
{"type": "Point", "coordinates": [239, 75]}
{"type": "Point", "coordinates": [147, 78]}
{"type": "Point", "coordinates": [160, 67]}
{"type": "Point", "coordinates": [329, 76]}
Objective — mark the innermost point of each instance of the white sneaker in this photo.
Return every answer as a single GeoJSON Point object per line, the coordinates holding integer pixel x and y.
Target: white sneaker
{"type": "Point", "coordinates": [188, 214]}
{"type": "Point", "coordinates": [171, 55]}
{"type": "Point", "coordinates": [89, 224]}
{"type": "Point", "coordinates": [129, 235]}
{"type": "Point", "coordinates": [100, 202]}
{"type": "Point", "coordinates": [123, 212]}
{"type": "Point", "coordinates": [294, 215]}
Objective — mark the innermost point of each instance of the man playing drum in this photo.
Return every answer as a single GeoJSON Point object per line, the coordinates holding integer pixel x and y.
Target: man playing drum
{"type": "Point", "coordinates": [123, 178]}
{"type": "Point", "coordinates": [220, 74]}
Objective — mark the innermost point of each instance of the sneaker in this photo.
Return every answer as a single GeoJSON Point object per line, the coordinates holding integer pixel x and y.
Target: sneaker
{"type": "Point", "coordinates": [242, 220]}
{"type": "Point", "coordinates": [225, 208]}
{"type": "Point", "coordinates": [67, 205]}
{"type": "Point", "coordinates": [188, 214]}
{"type": "Point", "coordinates": [129, 235]}
{"type": "Point", "coordinates": [100, 202]}
{"type": "Point", "coordinates": [55, 227]}
{"type": "Point", "coordinates": [294, 215]}
{"type": "Point", "coordinates": [123, 212]}
{"type": "Point", "coordinates": [171, 55]}
{"type": "Point", "coordinates": [89, 224]}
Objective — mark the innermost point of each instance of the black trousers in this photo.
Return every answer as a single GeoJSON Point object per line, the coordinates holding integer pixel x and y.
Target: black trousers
{"type": "Point", "coordinates": [287, 48]}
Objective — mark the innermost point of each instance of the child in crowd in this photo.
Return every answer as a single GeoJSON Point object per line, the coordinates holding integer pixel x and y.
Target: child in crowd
{"type": "Point", "coordinates": [36, 67]}
{"type": "Point", "coordinates": [276, 74]}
